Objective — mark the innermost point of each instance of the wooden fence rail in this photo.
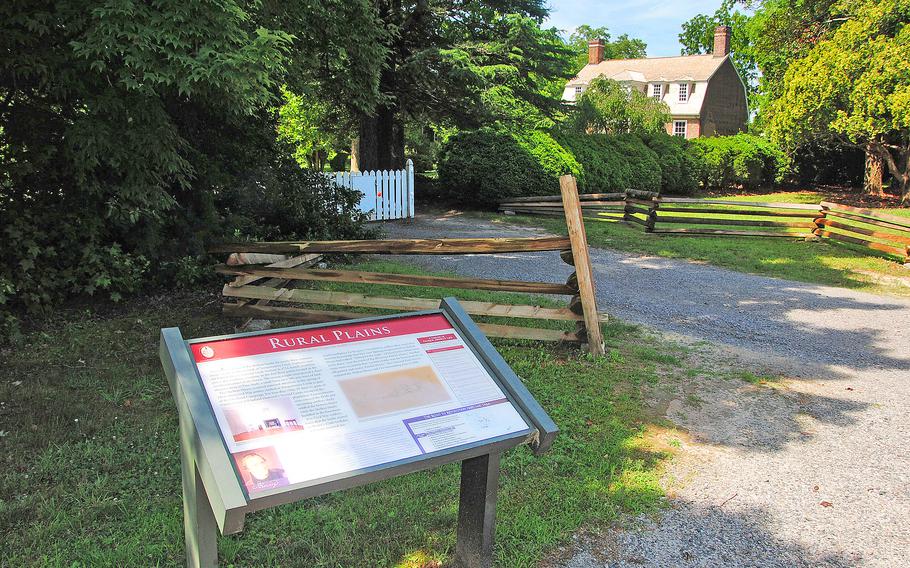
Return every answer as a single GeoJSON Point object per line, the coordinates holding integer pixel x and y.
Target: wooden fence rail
{"type": "Point", "coordinates": [869, 228]}
{"type": "Point", "coordinates": [265, 273]}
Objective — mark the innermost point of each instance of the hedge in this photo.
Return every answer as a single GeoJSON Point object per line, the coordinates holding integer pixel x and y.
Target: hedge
{"type": "Point", "coordinates": [485, 166]}
{"type": "Point", "coordinates": [613, 163]}
{"type": "Point", "coordinates": [678, 166]}
{"type": "Point", "coordinates": [743, 159]}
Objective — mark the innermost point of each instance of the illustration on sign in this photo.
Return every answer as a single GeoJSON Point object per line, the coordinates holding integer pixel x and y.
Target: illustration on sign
{"type": "Point", "coordinates": [298, 406]}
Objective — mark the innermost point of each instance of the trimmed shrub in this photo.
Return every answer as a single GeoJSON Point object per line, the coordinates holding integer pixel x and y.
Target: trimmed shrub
{"type": "Point", "coordinates": [483, 167]}
{"type": "Point", "coordinates": [678, 167]}
{"type": "Point", "coordinates": [740, 160]}
{"type": "Point", "coordinates": [613, 162]}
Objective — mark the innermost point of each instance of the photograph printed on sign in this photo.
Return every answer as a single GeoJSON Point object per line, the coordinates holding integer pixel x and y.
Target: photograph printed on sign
{"type": "Point", "coordinates": [260, 469]}
{"type": "Point", "coordinates": [263, 418]}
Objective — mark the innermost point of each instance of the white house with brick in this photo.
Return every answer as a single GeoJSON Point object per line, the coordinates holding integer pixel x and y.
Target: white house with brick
{"type": "Point", "coordinates": [705, 93]}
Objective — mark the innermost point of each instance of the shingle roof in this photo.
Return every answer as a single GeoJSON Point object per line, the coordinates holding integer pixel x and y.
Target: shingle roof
{"type": "Point", "coordinates": [652, 69]}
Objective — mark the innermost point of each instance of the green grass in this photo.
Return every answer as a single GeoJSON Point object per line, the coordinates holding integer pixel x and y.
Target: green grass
{"type": "Point", "coordinates": [91, 464]}
{"type": "Point", "coordinates": [823, 262]}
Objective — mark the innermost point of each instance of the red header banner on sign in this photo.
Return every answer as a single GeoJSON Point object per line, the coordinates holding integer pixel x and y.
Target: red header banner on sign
{"type": "Point", "coordinates": [302, 339]}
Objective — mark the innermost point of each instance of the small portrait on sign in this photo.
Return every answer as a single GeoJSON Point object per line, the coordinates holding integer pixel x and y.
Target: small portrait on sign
{"type": "Point", "coordinates": [262, 418]}
{"type": "Point", "coordinates": [260, 469]}
{"type": "Point", "coordinates": [394, 391]}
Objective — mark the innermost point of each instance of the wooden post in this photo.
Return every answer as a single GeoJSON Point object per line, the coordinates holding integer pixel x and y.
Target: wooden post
{"type": "Point", "coordinates": [477, 512]}
{"type": "Point", "coordinates": [652, 215]}
{"type": "Point", "coordinates": [583, 271]}
{"type": "Point", "coordinates": [819, 222]}
{"type": "Point", "coordinates": [625, 203]}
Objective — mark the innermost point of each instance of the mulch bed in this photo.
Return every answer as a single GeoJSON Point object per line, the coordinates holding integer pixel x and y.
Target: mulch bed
{"type": "Point", "coordinates": [845, 195]}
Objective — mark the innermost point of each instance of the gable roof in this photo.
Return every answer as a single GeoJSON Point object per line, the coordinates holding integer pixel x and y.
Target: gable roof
{"type": "Point", "coordinates": [652, 69]}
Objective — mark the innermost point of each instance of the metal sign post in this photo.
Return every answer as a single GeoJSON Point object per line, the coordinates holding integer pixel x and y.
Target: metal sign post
{"type": "Point", "coordinates": [219, 485]}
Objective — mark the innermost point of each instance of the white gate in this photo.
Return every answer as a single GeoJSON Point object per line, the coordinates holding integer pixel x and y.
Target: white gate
{"type": "Point", "coordinates": [386, 194]}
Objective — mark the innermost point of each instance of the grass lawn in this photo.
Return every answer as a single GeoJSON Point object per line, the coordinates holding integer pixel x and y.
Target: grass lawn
{"type": "Point", "coordinates": [825, 262]}
{"type": "Point", "coordinates": [91, 462]}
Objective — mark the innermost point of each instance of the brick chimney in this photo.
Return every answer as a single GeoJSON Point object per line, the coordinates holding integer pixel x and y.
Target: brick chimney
{"type": "Point", "coordinates": [595, 51]}
{"type": "Point", "coordinates": [722, 35]}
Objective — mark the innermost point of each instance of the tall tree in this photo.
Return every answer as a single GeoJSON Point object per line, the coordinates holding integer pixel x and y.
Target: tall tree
{"type": "Point", "coordinates": [698, 37]}
{"type": "Point", "coordinates": [460, 62]}
{"type": "Point", "coordinates": [122, 118]}
{"type": "Point", "coordinates": [623, 47]}
{"type": "Point", "coordinates": [853, 85]}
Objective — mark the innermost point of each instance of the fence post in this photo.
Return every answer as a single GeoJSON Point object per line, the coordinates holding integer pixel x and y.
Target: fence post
{"type": "Point", "coordinates": [625, 206]}
{"type": "Point", "coordinates": [652, 215]}
{"type": "Point", "coordinates": [410, 191]}
{"type": "Point", "coordinates": [584, 275]}
{"type": "Point", "coordinates": [819, 221]}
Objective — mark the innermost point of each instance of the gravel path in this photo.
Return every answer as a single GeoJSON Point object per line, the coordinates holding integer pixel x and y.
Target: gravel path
{"type": "Point", "coordinates": [813, 472]}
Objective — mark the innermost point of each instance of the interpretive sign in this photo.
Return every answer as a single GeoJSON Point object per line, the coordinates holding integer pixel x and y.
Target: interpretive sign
{"type": "Point", "coordinates": [277, 416]}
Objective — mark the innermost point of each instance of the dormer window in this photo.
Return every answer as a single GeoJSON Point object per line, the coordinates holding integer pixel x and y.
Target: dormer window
{"type": "Point", "coordinates": [683, 92]}
{"type": "Point", "coordinates": [656, 91]}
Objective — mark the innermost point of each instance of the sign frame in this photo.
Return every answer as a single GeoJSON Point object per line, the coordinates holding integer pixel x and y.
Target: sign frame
{"type": "Point", "coordinates": [214, 499]}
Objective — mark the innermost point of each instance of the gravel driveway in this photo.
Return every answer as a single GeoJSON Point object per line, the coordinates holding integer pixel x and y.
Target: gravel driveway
{"type": "Point", "coordinates": [812, 472]}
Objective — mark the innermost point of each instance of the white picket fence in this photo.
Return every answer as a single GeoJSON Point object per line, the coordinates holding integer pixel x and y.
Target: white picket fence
{"type": "Point", "coordinates": [386, 194]}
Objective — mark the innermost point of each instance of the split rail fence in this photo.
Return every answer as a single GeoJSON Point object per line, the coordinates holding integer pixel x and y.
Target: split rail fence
{"type": "Point", "coordinates": [868, 228]}
{"type": "Point", "coordinates": [266, 272]}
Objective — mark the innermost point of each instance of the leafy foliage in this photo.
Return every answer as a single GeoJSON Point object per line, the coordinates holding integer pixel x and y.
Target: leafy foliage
{"type": "Point", "coordinates": [282, 201]}
{"type": "Point", "coordinates": [123, 120]}
{"type": "Point", "coordinates": [623, 47]}
{"type": "Point", "coordinates": [677, 163]}
{"type": "Point", "coordinates": [853, 85]}
{"type": "Point", "coordinates": [740, 160]}
{"type": "Point", "coordinates": [613, 162]}
{"type": "Point", "coordinates": [781, 32]}
{"type": "Point", "coordinates": [314, 128]}
{"type": "Point", "coordinates": [464, 65]}
{"type": "Point", "coordinates": [698, 37]}
{"type": "Point", "coordinates": [485, 166]}
{"type": "Point", "coordinates": [608, 107]}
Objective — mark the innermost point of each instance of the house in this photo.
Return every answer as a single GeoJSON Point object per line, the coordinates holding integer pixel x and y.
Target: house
{"type": "Point", "coordinates": [705, 93]}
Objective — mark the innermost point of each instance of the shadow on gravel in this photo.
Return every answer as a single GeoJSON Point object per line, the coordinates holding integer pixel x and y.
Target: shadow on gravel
{"type": "Point", "coordinates": [690, 536]}
{"type": "Point", "coordinates": [758, 419]}
{"type": "Point", "coordinates": [813, 323]}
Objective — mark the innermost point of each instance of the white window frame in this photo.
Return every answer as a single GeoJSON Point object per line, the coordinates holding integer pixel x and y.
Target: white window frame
{"type": "Point", "coordinates": [685, 128]}
{"type": "Point", "coordinates": [684, 92]}
{"type": "Point", "coordinates": [657, 91]}
{"type": "Point", "coordinates": [578, 90]}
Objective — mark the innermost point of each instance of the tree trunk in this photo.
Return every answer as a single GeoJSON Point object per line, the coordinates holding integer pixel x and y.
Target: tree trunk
{"type": "Point", "coordinates": [898, 167]}
{"type": "Point", "coordinates": [872, 177]}
{"type": "Point", "coordinates": [367, 149]}
{"type": "Point", "coordinates": [355, 155]}
{"type": "Point", "coordinates": [381, 141]}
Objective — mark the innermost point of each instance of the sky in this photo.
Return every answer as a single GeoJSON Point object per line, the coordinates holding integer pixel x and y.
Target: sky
{"type": "Point", "coordinates": [657, 22]}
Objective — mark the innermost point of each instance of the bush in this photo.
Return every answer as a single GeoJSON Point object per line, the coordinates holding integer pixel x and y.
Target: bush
{"type": "Point", "coordinates": [613, 163]}
{"type": "Point", "coordinates": [54, 250]}
{"type": "Point", "coordinates": [740, 160]}
{"type": "Point", "coordinates": [483, 167]}
{"type": "Point", "coordinates": [828, 163]}
{"type": "Point", "coordinates": [678, 168]}
{"type": "Point", "coordinates": [283, 201]}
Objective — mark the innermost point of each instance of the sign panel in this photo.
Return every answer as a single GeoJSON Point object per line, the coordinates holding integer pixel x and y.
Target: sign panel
{"type": "Point", "coordinates": [302, 405]}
